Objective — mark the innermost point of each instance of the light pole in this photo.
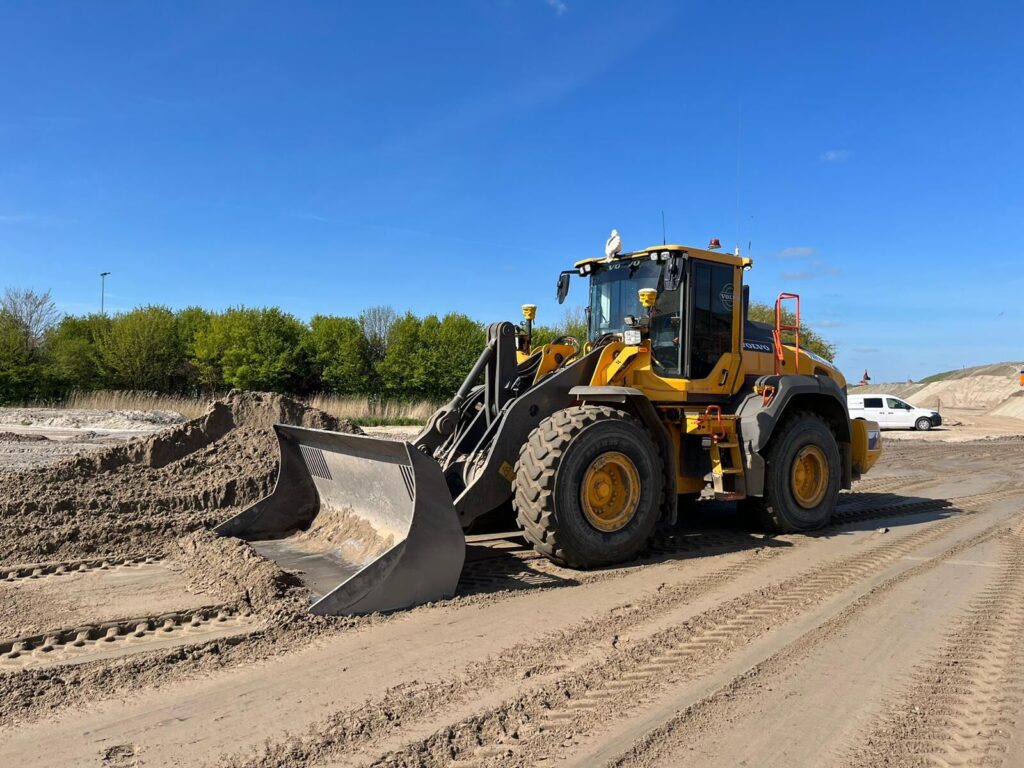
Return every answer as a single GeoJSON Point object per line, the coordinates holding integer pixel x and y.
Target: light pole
{"type": "Point", "coordinates": [103, 290]}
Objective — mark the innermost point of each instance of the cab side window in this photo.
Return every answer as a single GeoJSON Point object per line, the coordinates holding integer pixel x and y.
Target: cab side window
{"type": "Point", "coordinates": [667, 333]}
{"type": "Point", "coordinates": [872, 402]}
{"type": "Point", "coordinates": [712, 316]}
{"type": "Point", "coordinates": [892, 402]}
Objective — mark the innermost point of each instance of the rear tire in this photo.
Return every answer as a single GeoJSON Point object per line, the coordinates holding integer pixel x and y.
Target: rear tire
{"type": "Point", "coordinates": [802, 475]}
{"type": "Point", "coordinates": [923, 424]}
{"type": "Point", "coordinates": [588, 487]}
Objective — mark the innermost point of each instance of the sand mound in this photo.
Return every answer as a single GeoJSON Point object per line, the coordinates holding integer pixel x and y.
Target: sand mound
{"type": "Point", "coordinates": [1013, 406]}
{"type": "Point", "coordinates": [232, 571]}
{"type": "Point", "coordinates": [993, 388]}
{"type": "Point", "coordinates": [81, 418]}
{"type": "Point", "coordinates": [981, 392]}
{"type": "Point", "coordinates": [15, 437]}
{"type": "Point", "coordinates": [138, 496]}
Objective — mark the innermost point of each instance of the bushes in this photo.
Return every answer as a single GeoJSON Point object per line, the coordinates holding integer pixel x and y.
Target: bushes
{"type": "Point", "coordinates": [193, 350]}
{"type": "Point", "coordinates": [377, 355]}
{"type": "Point", "coordinates": [340, 351]}
{"type": "Point", "coordinates": [22, 375]}
{"type": "Point", "coordinates": [264, 349]}
{"type": "Point", "coordinates": [140, 350]}
{"type": "Point", "coordinates": [72, 352]}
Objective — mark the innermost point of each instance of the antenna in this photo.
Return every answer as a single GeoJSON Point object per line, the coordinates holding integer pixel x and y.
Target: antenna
{"type": "Point", "coordinates": [664, 239]}
{"type": "Point", "coordinates": [739, 135]}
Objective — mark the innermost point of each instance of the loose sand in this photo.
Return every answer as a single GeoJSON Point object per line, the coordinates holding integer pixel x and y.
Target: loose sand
{"type": "Point", "coordinates": [893, 637]}
{"type": "Point", "coordinates": [140, 495]}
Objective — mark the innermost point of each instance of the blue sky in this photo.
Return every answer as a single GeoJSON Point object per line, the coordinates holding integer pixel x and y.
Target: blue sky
{"type": "Point", "coordinates": [456, 155]}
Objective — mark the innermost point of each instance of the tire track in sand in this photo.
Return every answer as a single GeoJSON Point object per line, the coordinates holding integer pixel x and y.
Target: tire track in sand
{"type": "Point", "coordinates": [676, 735]}
{"type": "Point", "coordinates": [960, 709]}
{"type": "Point", "coordinates": [515, 731]}
{"type": "Point", "coordinates": [26, 692]}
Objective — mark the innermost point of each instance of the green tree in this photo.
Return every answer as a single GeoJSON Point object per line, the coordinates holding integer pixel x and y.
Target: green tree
{"type": "Point", "coordinates": [809, 338]}
{"type": "Point", "coordinates": [254, 349]}
{"type": "Point", "coordinates": [140, 349]}
{"type": "Point", "coordinates": [376, 323]}
{"type": "Point", "coordinates": [71, 351]}
{"type": "Point", "coordinates": [340, 352]}
{"type": "Point", "coordinates": [35, 312]}
{"type": "Point", "coordinates": [403, 372]}
{"type": "Point", "coordinates": [452, 347]}
{"type": "Point", "coordinates": [22, 376]}
{"type": "Point", "coordinates": [191, 321]}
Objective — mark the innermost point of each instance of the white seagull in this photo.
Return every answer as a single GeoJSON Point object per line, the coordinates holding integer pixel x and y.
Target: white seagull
{"type": "Point", "coordinates": [613, 246]}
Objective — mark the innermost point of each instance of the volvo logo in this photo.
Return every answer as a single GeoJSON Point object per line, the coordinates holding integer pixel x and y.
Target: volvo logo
{"type": "Point", "coordinates": [725, 296]}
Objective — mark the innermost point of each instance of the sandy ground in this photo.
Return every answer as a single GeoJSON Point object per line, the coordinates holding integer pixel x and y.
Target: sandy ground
{"type": "Point", "coordinates": [961, 424]}
{"type": "Point", "coordinates": [31, 437]}
{"type": "Point", "coordinates": [894, 637]}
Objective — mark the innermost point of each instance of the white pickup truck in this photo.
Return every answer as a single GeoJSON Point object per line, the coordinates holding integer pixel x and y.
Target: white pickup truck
{"type": "Point", "coordinates": [891, 412]}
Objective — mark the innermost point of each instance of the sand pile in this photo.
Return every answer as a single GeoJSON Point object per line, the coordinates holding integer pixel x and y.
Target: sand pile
{"type": "Point", "coordinates": [981, 391]}
{"type": "Point", "coordinates": [993, 388]}
{"type": "Point", "coordinates": [232, 571]}
{"type": "Point", "coordinates": [81, 418]}
{"type": "Point", "coordinates": [136, 497]}
{"type": "Point", "coordinates": [15, 437]}
{"type": "Point", "coordinates": [1012, 406]}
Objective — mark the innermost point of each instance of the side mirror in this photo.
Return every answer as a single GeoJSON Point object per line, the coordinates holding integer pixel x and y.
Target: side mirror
{"type": "Point", "coordinates": [563, 286]}
{"type": "Point", "coordinates": [673, 272]}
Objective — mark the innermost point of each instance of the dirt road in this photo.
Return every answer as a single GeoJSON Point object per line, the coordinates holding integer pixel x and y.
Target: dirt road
{"type": "Point", "coordinates": [894, 637]}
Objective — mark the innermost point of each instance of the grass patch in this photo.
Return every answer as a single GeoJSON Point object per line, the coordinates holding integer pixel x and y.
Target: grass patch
{"type": "Point", "coordinates": [375, 413]}
{"type": "Point", "coordinates": [127, 400]}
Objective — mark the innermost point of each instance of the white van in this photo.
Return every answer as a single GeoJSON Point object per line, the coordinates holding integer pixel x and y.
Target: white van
{"type": "Point", "coordinates": [891, 412]}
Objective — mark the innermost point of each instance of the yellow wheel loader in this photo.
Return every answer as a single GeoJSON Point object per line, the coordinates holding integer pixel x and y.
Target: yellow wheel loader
{"type": "Point", "coordinates": [589, 443]}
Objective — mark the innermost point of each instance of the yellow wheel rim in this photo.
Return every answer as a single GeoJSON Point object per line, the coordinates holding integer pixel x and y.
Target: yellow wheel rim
{"type": "Point", "coordinates": [809, 477]}
{"type": "Point", "coordinates": [610, 492]}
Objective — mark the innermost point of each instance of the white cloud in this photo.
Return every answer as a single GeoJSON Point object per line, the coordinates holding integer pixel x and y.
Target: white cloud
{"type": "Point", "coordinates": [797, 251]}
{"type": "Point", "coordinates": [835, 156]}
{"type": "Point", "coordinates": [558, 6]}
{"type": "Point", "coordinates": [30, 219]}
{"type": "Point", "coordinates": [815, 269]}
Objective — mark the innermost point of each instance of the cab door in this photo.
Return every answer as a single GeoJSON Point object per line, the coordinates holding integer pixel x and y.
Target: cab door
{"type": "Point", "coordinates": [712, 342]}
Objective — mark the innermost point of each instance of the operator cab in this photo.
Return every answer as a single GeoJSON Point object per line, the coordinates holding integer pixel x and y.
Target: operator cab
{"type": "Point", "coordinates": [695, 319]}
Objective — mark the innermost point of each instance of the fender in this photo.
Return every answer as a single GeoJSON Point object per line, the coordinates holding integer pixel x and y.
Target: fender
{"type": "Point", "coordinates": [756, 422]}
{"type": "Point", "coordinates": [640, 406]}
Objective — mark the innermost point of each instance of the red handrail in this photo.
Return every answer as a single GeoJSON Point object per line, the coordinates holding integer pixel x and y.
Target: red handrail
{"type": "Point", "coordinates": [779, 328]}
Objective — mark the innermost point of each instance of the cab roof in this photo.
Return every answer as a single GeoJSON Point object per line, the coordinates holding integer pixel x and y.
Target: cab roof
{"type": "Point", "coordinates": [699, 253]}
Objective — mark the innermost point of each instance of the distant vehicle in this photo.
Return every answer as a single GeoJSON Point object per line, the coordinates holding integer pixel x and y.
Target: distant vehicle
{"type": "Point", "coordinates": [891, 412]}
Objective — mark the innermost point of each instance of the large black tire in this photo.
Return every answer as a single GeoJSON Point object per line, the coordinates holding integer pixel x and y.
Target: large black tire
{"type": "Point", "coordinates": [779, 508]}
{"type": "Point", "coordinates": [549, 475]}
{"type": "Point", "coordinates": [923, 424]}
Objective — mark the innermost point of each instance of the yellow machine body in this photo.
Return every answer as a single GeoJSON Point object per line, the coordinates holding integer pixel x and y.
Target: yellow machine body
{"type": "Point", "coordinates": [590, 442]}
{"type": "Point", "coordinates": [683, 403]}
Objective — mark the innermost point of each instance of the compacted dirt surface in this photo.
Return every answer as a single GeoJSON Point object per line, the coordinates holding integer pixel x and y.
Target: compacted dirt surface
{"type": "Point", "coordinates": [130, 635]}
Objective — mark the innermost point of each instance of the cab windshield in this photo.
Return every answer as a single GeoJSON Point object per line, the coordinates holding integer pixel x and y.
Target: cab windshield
{"type": "Point", "coordinates": [613, 293]}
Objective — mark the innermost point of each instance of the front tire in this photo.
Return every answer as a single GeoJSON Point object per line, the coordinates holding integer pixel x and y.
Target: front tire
{"type": "Point", "coordinates": [802, 475]}
{"type": "Point", "coordinates": [923, 424]}
{"type": "Point", "coordinates": [588, 487]}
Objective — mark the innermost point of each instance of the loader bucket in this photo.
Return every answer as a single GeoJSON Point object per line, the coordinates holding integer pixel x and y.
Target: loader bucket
{"type": "Point", "coordinates": [369, 524]}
